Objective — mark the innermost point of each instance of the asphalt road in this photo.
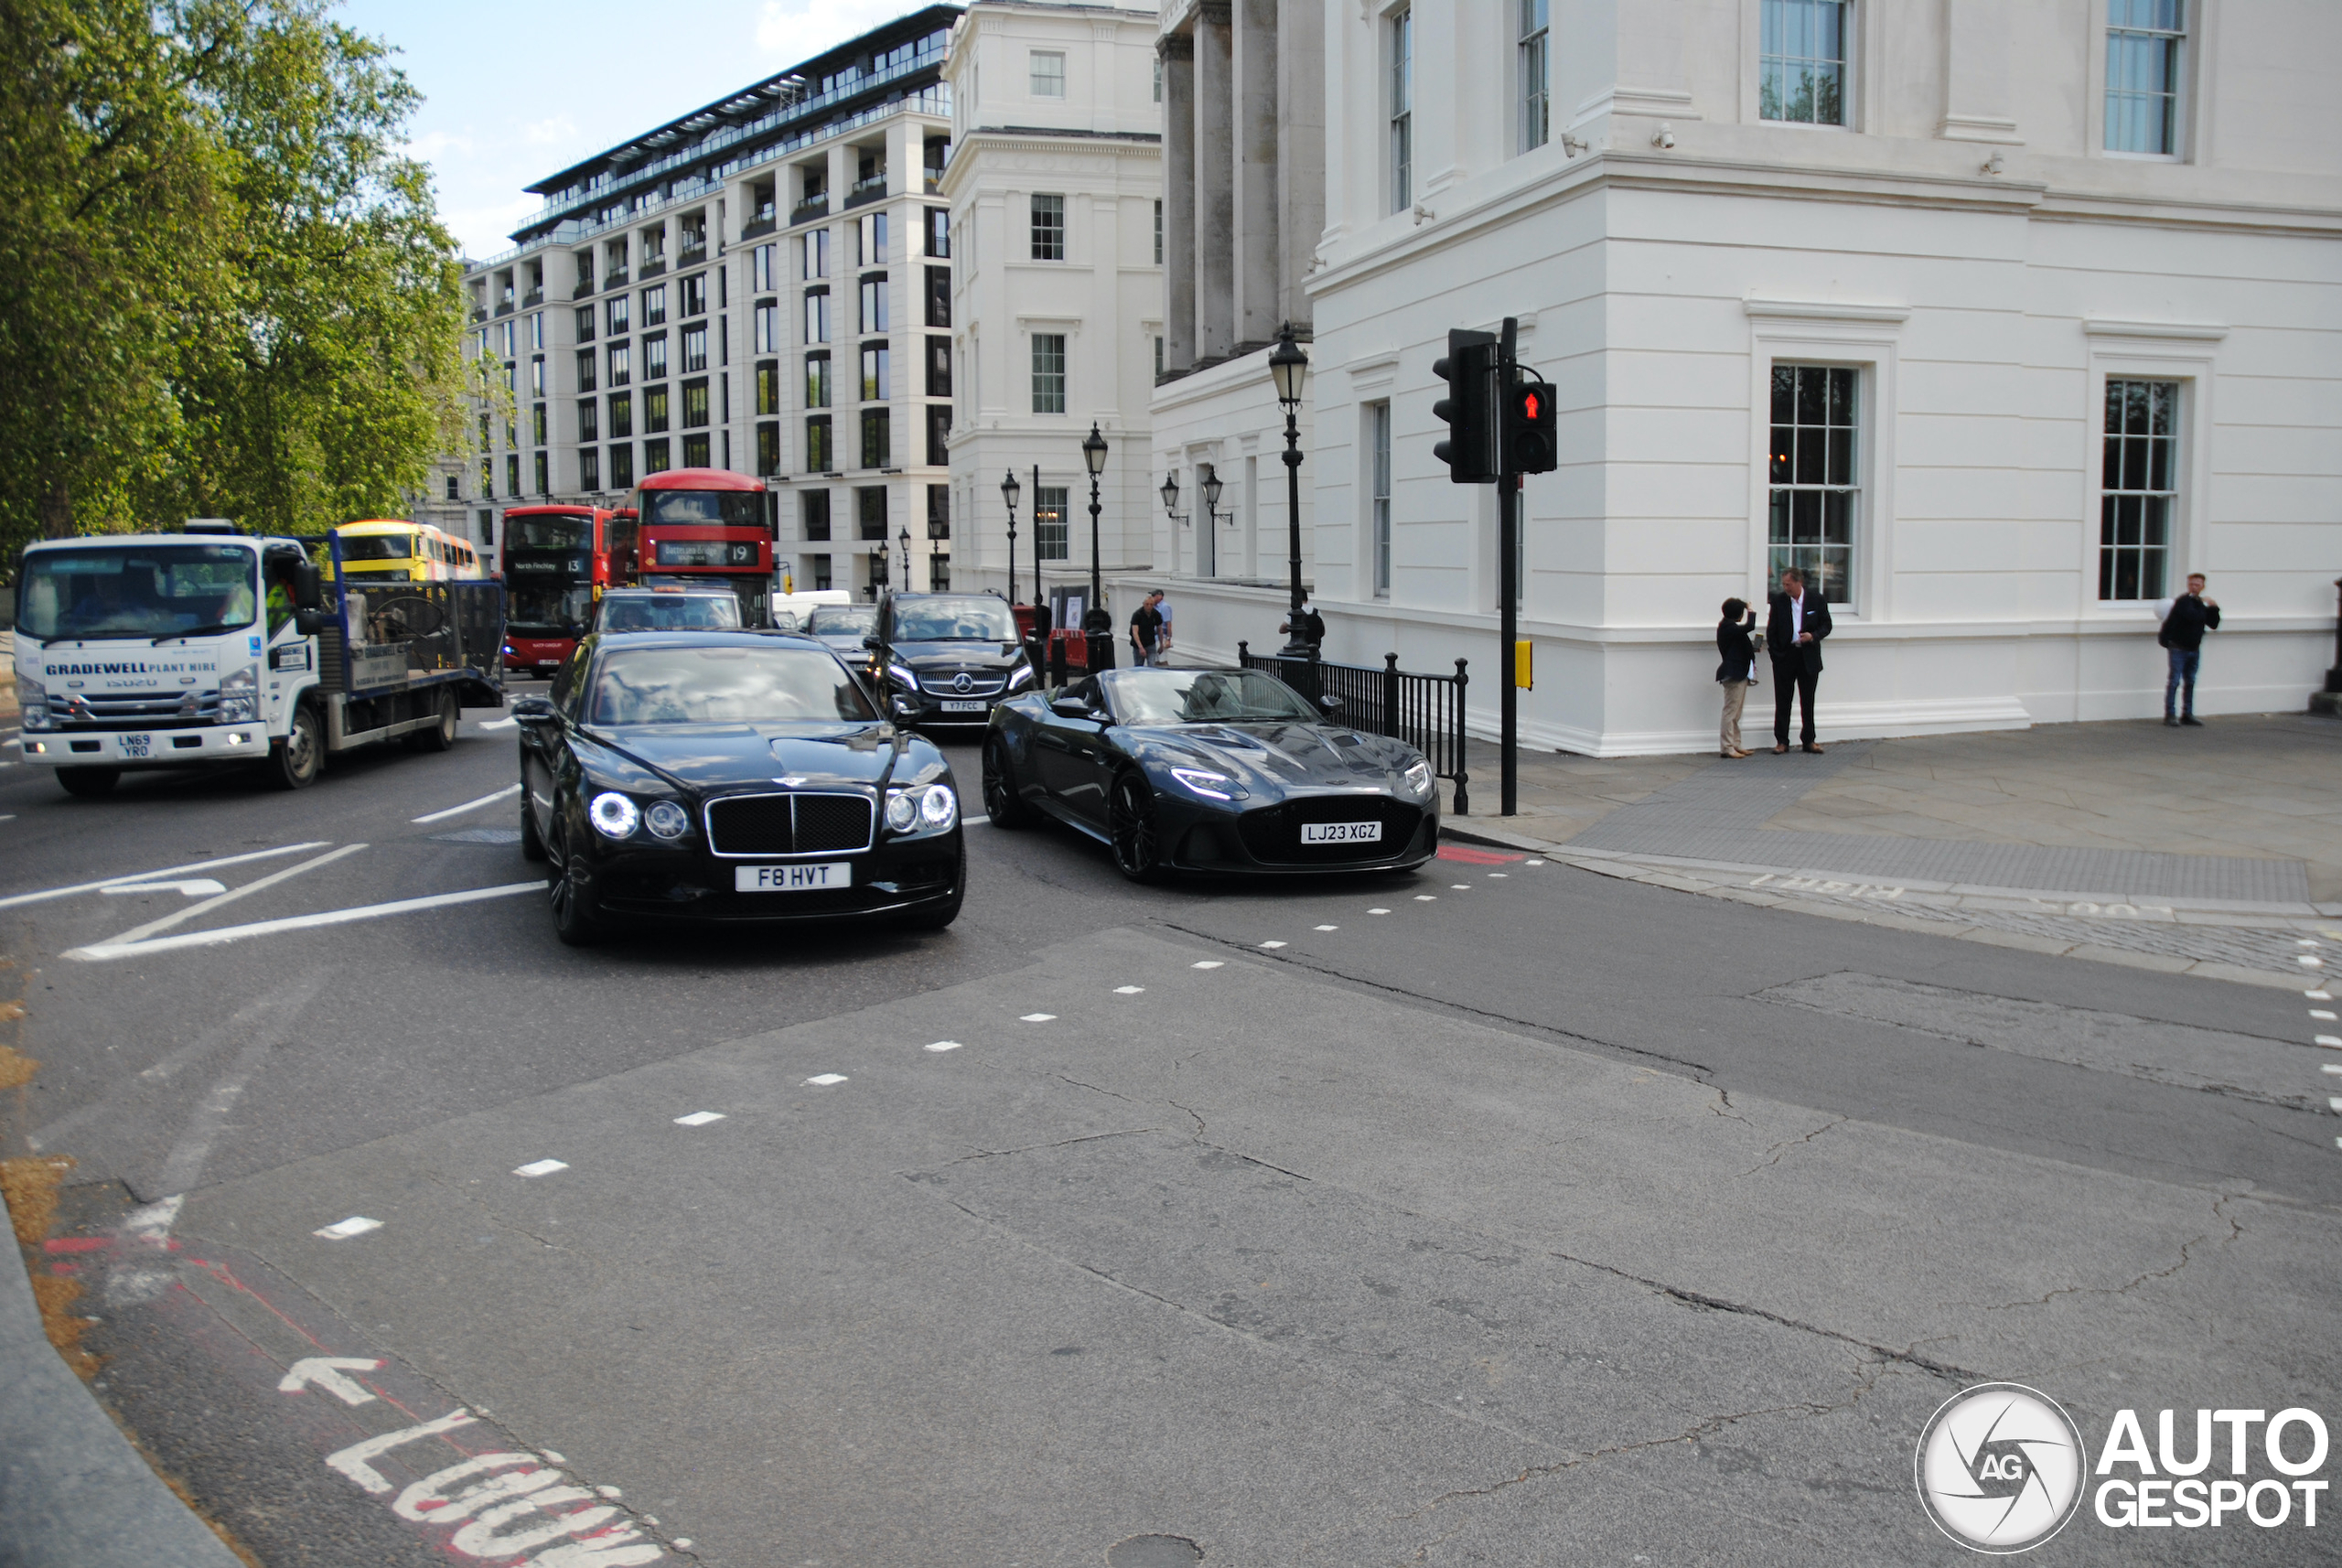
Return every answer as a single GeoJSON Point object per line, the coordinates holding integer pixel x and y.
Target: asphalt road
{"type": "Point", "coordinates": [1499, 1214]}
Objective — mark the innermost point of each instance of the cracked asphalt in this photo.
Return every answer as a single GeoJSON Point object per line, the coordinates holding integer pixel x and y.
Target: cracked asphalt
{"type": "Point", "coordinates": [1515, 1224]}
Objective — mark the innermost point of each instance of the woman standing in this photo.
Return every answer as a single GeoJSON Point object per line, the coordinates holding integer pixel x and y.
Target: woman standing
{"type": "Point", "coordinates": [1738, 670]}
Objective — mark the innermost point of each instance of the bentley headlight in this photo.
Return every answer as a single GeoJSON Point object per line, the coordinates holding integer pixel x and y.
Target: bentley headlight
{"type": "Point", "coordinates": [922, 808]}
{"type": "Point", "coordinates": [32, 697]}
{"type": "Point", "coordinates": [666, 818]}
{"type": "Point", "coordinates": [613, 815]}
{"type": "Point", "coordinates": [1211, 786]}
{"type": "Point", "coordinates": [902, 811]}
{"type": "Point", "coordinates": [903, 676]}
{"type": "Point", "coordinates": [239, 696]}
{"type": "Point", "coordinates": [1418, 777]}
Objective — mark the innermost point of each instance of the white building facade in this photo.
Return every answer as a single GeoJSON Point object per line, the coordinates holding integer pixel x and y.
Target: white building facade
{"type": "Point", "coordinates": [2001, 317]}
{"type": "Point", "coordinates": [1055, 185]}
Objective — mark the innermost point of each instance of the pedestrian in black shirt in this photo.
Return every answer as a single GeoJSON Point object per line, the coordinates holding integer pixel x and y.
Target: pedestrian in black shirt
{"type": "Point", "coordinates": [2186, 619]}
{"type": "Point", "coordinates": [1146, 629]}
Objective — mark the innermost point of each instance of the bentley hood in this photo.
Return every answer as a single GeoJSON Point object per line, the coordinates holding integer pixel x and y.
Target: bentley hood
{"type": "Point", "coordinates": [714, 757]}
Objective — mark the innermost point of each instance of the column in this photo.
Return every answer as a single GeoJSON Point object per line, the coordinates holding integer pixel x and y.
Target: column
{"type": "Point", "coordinates": [1255, 248]}
{"type": "Point", "coordinates": [1215, 194]}
{"type": "Point", "coordinates": [1301, 151]}
{"type": "Point", "coordinates": [1179, 55]}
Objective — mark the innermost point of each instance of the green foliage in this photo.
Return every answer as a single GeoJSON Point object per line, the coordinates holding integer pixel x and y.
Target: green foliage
{"type": "Point", "coordinates": [255, 313]}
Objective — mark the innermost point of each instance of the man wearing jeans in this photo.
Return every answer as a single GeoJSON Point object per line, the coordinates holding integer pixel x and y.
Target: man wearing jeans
{"type": "Point", "coordinates": [2186, 619]}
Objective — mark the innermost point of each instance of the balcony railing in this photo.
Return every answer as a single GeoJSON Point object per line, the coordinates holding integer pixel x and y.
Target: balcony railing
{"type": "Point", "coordinates": [690, 255]}
{"type": "Point", "coordinates": [535, 297]}
{"type": "Point", "coordinates": [761, 225]}
{"type": "Point", "coordinates": [479, 313]}
{"type": "Point", "coordinates": [866, 190]}
{"type": "Point", "coordinates": [504, 309]}
{"type": "Point", "coordinates": [650, 268]}
{"type": "Point", "coordinates": [616, 278]}
{"type": "Point", "coordinates": [585, 286]}
{"type": "Point", "coordinates": [810, 208]}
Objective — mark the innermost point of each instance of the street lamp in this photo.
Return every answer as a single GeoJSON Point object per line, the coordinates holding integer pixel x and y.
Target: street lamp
{"type": "Point", "coordinates": [1212, 487]}
{"type": "Point", "coordinates": [1009, 489]}
{"type": "Point", "coordinates": [907, 559]}
{"type": "Point", "coordinates": [1289, 369]}
{"type": "Point", "coordinates": [1170, 494]}
{"type": "Point", "coordinates": [1093, 453]}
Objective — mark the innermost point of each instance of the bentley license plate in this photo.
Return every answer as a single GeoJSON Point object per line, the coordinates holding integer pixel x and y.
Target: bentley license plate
{"type": "Point", "coordinates": [137, 745]}
{"type": "Point", "coordinates": [792, 878]}
{"type": "Point", "coordinates": [1341, 832]}
{"type": "Point", "coordinates": [955, 707]}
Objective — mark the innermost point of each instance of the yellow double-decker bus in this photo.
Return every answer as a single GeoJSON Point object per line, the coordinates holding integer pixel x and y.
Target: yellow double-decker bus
{"type": "Point", "coordinates": [389, 549]}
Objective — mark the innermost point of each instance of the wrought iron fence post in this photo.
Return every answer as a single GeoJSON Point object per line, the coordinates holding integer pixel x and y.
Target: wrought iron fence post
{"type": "Point", "coordinates": [1390, 694]}
{"type": "Point", "coordinates": [1243, 651]}
{"type": "Point", "coordinates": [1462, 777]}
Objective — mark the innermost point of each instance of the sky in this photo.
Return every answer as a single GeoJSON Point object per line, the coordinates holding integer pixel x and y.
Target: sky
{"type": "Point", "coordinates": [519, 89]}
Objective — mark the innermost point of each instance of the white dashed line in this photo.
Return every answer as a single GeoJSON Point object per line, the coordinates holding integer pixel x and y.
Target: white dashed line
{"type": "Point", "coordinates": [1330, 928]}
{"type": "Point", "coordinates": [2306, 962]}
{"type": "Point", "coordinates": [1039, 1019]}
{"type": "Point", "coordinates": [2319, 995]}
{"type": "Point", "coordinates": [542, 1168]}
{"type": "Point", "coordinates": [1377, 911]}
{"type": "Point", "coordinates": [2322, 1015]}
{"type": "Point", "coordinates": [2334, 1068]}
{"type": "Point", "coordinates": [1427, 897]}
{"type": "Point", "coordinates": [342, 1230]}
{"type": "Point", "coordinates": [1128, 989]}
{"type": "Point", "coordinates": [1536, 862]}
{"type": "Point", "coordinates": [823, 1079]}
{"type": "Point", "coordinates": [2307, 942]}
{"type": "Point", "coordinates": [498, 724]}
{"type": "Point", "coordinates": [504, 794]}
{"type": "Point", "coordinates": [699, 1118]}
{"type": "Point", "coordinates": [1273, 945]}
{"type": "Point", "coordinates": [944, 1045]}
{"type": "Point", "coordinates": [1500, 876]}
{"type": "Point", "coordinates": [1204, 963]}
{"type": "Point", "coordinates": [2332, 1042]}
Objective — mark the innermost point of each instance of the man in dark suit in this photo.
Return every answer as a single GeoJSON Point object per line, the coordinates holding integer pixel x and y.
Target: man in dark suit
{"type": "Point", "coordinates": [1794, 629]}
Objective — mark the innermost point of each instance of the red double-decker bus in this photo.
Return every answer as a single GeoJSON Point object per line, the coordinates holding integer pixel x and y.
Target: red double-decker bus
{"type": "Point", "coordinates": [556, 562]}
{"type": "Point", "coordinates": [704, 526]}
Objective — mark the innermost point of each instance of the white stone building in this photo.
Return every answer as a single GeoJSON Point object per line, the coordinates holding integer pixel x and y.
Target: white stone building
{"type": "Point", "coordinates": [1056, 186]}
{"type": "Point", "coordinates": [1845, 282]}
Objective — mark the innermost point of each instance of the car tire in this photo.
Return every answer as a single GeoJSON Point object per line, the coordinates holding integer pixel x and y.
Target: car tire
{"type": "Point", "coordinates": [440, 737]}
{"type": "Point", "coordinates": [1002, 804]}
{"type": "Point", "coordinates": [1132, 828]}
{"type": "Point", "coordinates": [295, 760]}
{"type": "Point", "coordinates": [942, 915]}
{"type": "Point", "coordinates": [88, 783]}
{"type": "Point", "coordinates": [532, 843]}
{"type": "Point", "coordinates": [574, 920]}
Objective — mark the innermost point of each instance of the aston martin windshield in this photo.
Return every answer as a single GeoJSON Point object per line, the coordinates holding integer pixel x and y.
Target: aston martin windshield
{"type": "Point", "coordinates": [724, 686]}
{"type": "Point", "coordinates": [972, 620]}
{"type": "Point", "coordinates": [136, 590]}
{"type": "Point", "coordinates": [1205, 696]}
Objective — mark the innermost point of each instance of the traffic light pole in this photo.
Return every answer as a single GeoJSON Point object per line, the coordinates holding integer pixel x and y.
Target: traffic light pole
{"type": "Point", "coordinates": [1507, 595]}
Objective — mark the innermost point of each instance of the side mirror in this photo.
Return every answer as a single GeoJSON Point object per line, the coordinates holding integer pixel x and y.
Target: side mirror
{"type": "Point", "coordinates": [902, 708]}
{"type": "Point", "coordinates": [872, 644]}
{"type": "Point", "coordinates": [308, 587]}
{"type": "Point", "coordinates": [1069, 707]}
{"type": "Point", "coordinates": [309, 623]}
{"type": "Point", "coordinates": [1330, 703]}
{"type": "Point", "coordinates": [533, 710]}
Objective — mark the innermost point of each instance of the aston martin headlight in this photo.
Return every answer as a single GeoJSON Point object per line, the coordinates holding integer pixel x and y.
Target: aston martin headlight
{"type": "Point", "coordinates": [613, 815]}
{"type": "Point", "coordinates": [666, 818]}
{"type": "Point", "coordinates": [32, 697]}
{"type": "Point", "coordinates": [1211, 786]}
{"type": "Point", "coordinates": [903, 676]}
{"type": "Point", "coordinates": [1417, 777]}
{"type": "Point", "coordinates": [902, 811]}
{"type": "Point", "coordinates": [239, 696]}
{"type": "Point", "coordinates": [922, 808]}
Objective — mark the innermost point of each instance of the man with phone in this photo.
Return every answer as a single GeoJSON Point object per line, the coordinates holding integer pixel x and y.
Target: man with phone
{"type": "Point", "coordinates": [1793, 633]}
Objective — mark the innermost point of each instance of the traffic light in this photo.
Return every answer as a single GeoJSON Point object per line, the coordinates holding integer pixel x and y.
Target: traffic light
{"type": "Point", "coordinates": [1470, 451]}
{"type": "Point", "coordinates": [1529, 444]}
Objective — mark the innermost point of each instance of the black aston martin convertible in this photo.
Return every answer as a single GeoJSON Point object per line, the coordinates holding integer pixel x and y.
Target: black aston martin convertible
{"type": "Point", "coordinates": [730, 776]}
{"type": "Point", "coordinates": [1219, 771]}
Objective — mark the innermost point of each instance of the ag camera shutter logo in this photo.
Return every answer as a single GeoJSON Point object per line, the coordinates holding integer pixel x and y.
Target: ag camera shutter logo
{"type": "Point", "coordinates": [2000, 1468]}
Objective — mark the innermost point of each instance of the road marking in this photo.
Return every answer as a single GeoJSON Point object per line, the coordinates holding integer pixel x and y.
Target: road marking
{"type": "Point", "coordinates": [193, 886]}
{"type": "Point", "coordinates": [342, 1230]}
{"type": "Point", "coordinates": [1128, 989]}
{"type": "Point", "coordinates": [542, 1168]}
{"type": "Point", "coordinates": [499, 723]}
{"type": "Point", "coordinates": [2334, 1068]}
{"type": "Point", "coordinates": [941, 1045]}
{"type": "Point", "coordinates": [699, 1118]}
{"type": "Point", "coordinates": [1377, 911]}
{"type": "Point", "coordinates": [326, 1373]}
{"type": "Point", "coordinates": [468, 806]}
{"type": "Point", "coordinates": [1039, 1019]}
{"type": "Point", "coordinates": [1273, 945]}
{"type": "Point", "coordinates": [1501, 876]}
{"type": "Point", "coordinates": [2307, 942]}
{"type": "Point", "coordinates": [976, 818]}
{"type": "Point", "coordinates": [140, 933]}
{"type": "Point", "coordinates": [2332, 1042]}
{"type": "Point", "coordinates": [823, 1079]}
{"type": "Point", "coordinates": [352, 1460]}
{"type": "Point", "coordinates": [2306, 962]}
{"type": "Point", "coordinates": [1427, 897]}
{"type": "Point", "coordinates": [2319, 995]}
{"type": "Point", "coordinates": [1206, 964]}
{"type": "Point", "coordinates": [1330, 928]}
{"type": "Point", "coordinates": [1460, 887]}
{"type": "Point", "coordinates": [302, 922]}
{"type": "Point", "coordinates": [1536, 862]}
{"type": "Point", "coordinates": [183, 1167]}
{"type": "Point", "coordinates": [11, 816]}
{"type": "Point", "coordinates": [11, 903]}
{"type": "Point", "coordinates": [2322, 1014]}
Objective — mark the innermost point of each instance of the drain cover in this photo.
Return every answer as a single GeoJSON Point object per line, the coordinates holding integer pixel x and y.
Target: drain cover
{"type": "Point", "coordinates": [1154, 1551]}
{"type": "Point", "coordinates": [480, 835]}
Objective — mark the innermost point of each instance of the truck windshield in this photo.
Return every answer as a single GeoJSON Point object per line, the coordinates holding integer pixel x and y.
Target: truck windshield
{"type": "Point", "coordinates": [136, 590]}
{"type": "Point", "coordinates": [376, 546]}
{"type": "Point", "coordinates": [724, 686]}
{"type": "Point", "coordinates": [730, 509]}
{"type": "Point", "coordinates": [554, 533]}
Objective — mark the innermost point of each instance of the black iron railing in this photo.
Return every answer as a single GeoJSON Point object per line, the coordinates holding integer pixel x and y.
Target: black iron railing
{"type": "Point", "coordinates": [1424, 711]}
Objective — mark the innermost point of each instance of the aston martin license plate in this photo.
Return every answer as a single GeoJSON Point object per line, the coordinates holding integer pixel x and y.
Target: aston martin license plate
{"type": "Point", "coordinates": [1341, 832]}
{"type": "Point", "coordinates": [792, 878]}
{"type": "Point", "coordinates": [957, 707]}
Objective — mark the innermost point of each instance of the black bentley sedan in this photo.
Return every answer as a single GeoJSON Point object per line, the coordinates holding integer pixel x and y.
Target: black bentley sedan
{"type": "Point", "coordinates": [1219, 770]}
{"type": "Point", "coordinates": [954, 655]}
{"type": "Point", "coordinates": [721, 776]}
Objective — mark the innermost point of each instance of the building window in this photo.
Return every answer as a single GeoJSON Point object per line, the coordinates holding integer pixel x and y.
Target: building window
{"type": "Point", "coordinates": [2137, 488]}
{"type": "Point", "coordinates": [1158, 356]}
{"type": "Point", "coordinates": [585, 369]}
{"type": "Point", "coordinates": [1158, 231]}
{"type": "Point", "coordinates": [696, 405]}
{"type": "Point", "coordinates": [820, 566]}
{"type": "Point", "coordinates": [760, 269]}
{"type": "Point", "coordinates": [813, 259]}
{"type": "Point", "coordinates": [691, 296]}
{"type": "Point", "coordinates": [1049, 522]}
{"type": "Point", "coordinates": [939, 366]}
{"type": "Point", "coordinates": [1048, 74]}
{"type": "Point", "coordinates": [817, 383]}
{"type": "Point", "coordinates": [694, 349]}
{"type": "Point", "coordinates": [1803, 71]}
{"type": "Point", "coordinates": [536, 331]}
{"type": "Point", "coordinates": [1402, 111]}
{"type": "Point", "coordinates": [870, 240]}
{"type": "Point", "coordinates": [870, 514]}
{"type": "Point", "coordinates": [621, 415]}
{"type": "Point", "coordinates": [654, 457]}
{"type": "Point", "coordinates": [455, 487]}
{"type": "Point", "coordinates": [874, 373]}
{"type": "Point", "coordinates": [878, 440]}
{"type": "Point", "coordinates": [512, 474]}
{"type": "Point", "coordinates": [1049, 372]}
{"type": "Point", "coordinates": [544, 474]}
{"type": "Point", "coordinates": [584, 260]}
{"type": "Point", "coordinates": [616, 325]}
{"type": "Point", "coordinates": [589, 469]}
{"type": "Point", "coordinates": [1814, 496]}
{"type": "Point", "coordinates": [938, 232]}
{"type": "Point", "coordinates": [814, 516]}
{"type": "Point", "coordinates": [537, 376]}
{"type": "Point", "coordinates": [654, 357]}
{"type": "Point", "coordinates": [817, 321]}
{"type": "Point", "coordinates": [1378, 437]}
{"type": "Point", "coordinates": [1048, 227]}
{"type": "Point", "coordinates": [938, 574]}
{"type": "Point", "coordinates": [488, 476]}
{"type": "Point", "coordinates": [622, 468]}
{"type": "Point", "coordinates": [939, 296]}
{"type": "Point", "coordinates": [873, 312]}
{"type": "Point", "coordinates": [654, 410]}
{"type": "Point", "coordinates": [589, 422]}
{"type": "Point", "coordinates": [584, 323]}
{"type": "Point", "coordinates": [939, 434]}
{"type": "Point", "coordinates": [938, 512]}
{"type": "Point", "coordinates": [537, 425]}
{"type": "Point", "coordinates": [621, 364]}
{"type": "Point", "coordinates": [694, 447]}
{"type": "Point", "coordinates": [1536, 74]}
{"type": "Point", "coordinates": [2143, 44]}
{"type": "Point", "coordinates": [1158, 79]}
{"type": "Point", "coordinates": [817, 445]}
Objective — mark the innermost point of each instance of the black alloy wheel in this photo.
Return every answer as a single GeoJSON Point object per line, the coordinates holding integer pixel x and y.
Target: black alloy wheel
{"type": "Point", "coordinates": [294, 762]}
{"type": "Point", "coordinates": [1002, 804]}
{"type": "Point", "coordinates": [440, 737]}
{"type": "Point", "coordinates": [1130, 818]}
{"type": "Point", "coordinates": [574, 918]}
{"type": "Point", "coordinates": [532, 844]}
{"type": "Point", "coordinates": [88, 783]}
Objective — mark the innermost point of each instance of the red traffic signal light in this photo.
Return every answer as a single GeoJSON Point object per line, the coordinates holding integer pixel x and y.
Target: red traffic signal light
{"type": "Point", "coordinates": [1531, 439]}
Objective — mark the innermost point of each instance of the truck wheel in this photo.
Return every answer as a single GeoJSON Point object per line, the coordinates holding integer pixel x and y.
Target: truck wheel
{"type": "Point", "coordinates": [88, 783]}
{"type": "Point", "coordinates": [440, 737]}
{"type": "Point", "coordinates": [294, 762]}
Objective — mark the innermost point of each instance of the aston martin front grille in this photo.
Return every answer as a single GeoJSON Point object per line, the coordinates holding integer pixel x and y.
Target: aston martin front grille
{"type": "Point", "coordinates": [742, 826]}
{"type": "Point", "coordinates": [1272, 833]}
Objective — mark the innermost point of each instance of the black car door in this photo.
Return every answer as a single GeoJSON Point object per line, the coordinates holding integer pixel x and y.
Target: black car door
{"type": "Point", "coordinates": [1067, 752]}
{"type": "Point", "coordinates": [544, 747]}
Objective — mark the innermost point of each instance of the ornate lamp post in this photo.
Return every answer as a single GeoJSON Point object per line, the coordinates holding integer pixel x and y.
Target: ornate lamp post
{"type": "Point", "coordinates": [1093, 453]}
{"type": "Point", "coordinates": [1212, 487]}
{"type": "Point", "coordinates": [907, 559]}
{"type": "Point", "coordinates": [1289, 369]}
{"type": "Point", "coordinates": [1009, 489]}
{"type": "Point", "coordinates": [1170, 493]}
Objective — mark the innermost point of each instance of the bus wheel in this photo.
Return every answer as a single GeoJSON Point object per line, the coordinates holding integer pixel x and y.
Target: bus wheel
{"type": "Point", "coordinates": [294, 762]}
{"type": "Point", "coordinates": [88, 783]}
{"type": "Point", "coordinates": [440, 737]}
